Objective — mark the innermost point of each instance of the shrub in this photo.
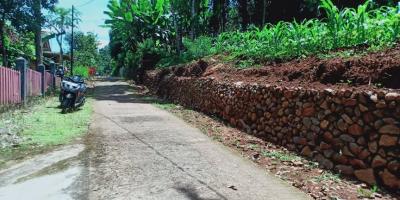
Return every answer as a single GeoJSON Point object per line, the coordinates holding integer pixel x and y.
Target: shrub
{"type": "Point", "coordinates": [198, 48]}
{"type": "Point", "coordinates": [194, 49]}
{"type": "Point", "coordinates": [81, 71]}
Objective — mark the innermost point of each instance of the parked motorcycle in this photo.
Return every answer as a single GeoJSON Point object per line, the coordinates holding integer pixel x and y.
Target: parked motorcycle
{"type": "Point", "coordinates": [72, 94]}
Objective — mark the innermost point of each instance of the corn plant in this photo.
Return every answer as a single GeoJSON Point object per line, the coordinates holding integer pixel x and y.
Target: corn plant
{"type": "Point", "coordinates": [341, 28]}
{"type": "Point", "coordinates": [334, 18]}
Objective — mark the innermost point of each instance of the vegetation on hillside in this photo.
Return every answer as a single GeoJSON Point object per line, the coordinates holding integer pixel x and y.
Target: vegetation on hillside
{"type": "Point", "coordinates": [173, 31]}
{"type": "Point", "coordinates": [375, 28]}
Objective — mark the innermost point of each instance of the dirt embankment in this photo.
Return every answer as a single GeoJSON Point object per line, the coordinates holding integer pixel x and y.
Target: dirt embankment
{"type": "Point", "coordinates": [369, 71]}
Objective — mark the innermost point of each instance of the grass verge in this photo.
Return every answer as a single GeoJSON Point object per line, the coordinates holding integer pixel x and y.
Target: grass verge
{"type": "Point", "coordinates": [42, 127]}
{"type": "Point", "coordinates": [165, 106]}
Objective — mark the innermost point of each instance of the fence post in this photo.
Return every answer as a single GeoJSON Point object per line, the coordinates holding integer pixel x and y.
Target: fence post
{"type": "Point", "coordinates": [42, 71]}
{"type": "Point", "coordinates": [53, 74]}
{"type": "Point", "coordinates": [21, 66]}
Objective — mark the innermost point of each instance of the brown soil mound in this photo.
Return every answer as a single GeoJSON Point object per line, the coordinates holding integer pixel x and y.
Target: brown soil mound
{"type": "Point", "coordinates": [381, 69]}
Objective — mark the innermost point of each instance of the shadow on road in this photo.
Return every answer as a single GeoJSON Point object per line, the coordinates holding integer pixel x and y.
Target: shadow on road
{"type": "Point", "coordinates": [121, 92]}
{"type": "Point", "coordinates": [191, 193]}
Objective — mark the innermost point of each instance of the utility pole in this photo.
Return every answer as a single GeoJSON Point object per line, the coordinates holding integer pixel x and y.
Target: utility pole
{"type": "Point", "coordinates": [72, 43]}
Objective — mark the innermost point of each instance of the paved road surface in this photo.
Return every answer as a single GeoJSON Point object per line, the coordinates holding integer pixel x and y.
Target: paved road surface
{"type": "Point", "coordinates": [137, 151]}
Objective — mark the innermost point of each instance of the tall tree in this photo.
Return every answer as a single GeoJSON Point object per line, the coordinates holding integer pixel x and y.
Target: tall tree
{"type": "Point", "coordinates": [224, 14]}
{"type": "Point", "coordinates": [193, 4]}
{"type": "Point", "coordinates": [10, 10]}
{"type": "Point", "coordinates": [218, 18]}
{"type": "Point", "coordinates": [105, 61]}
{"type": "Point", "coordinates": [58, 21]}
{"type": "Point", "coordinates": [37, 30]}
{"type": "Point", "coordinates": [243, 14]}
{"type": "Point", "coordinates": [264, 12]}
{"type": "Point", "coordinates": [38, 21]}
{"type": "Point", "coordinates": [85, 49]}
{"type": "Point", "coordinates": [175, 19]}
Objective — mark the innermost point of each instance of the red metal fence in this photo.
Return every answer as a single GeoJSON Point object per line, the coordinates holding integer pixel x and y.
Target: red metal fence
{"type": "Point", "coordinates": [34, 83]}
{"type": "Point", "coordinates": [48, 79]}
{"type": "Point", "coordinates": [9, 86]}
{"type": "Point", "coordinates": [58, 82]}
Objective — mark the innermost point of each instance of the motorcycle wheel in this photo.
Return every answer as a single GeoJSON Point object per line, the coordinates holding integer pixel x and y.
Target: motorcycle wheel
{"type": "Point", "coordinates": [60, 98]}
{"type": "Point", "coordinates": [82, 102]}
{"type": "Point", "coordinates": [65, 106]}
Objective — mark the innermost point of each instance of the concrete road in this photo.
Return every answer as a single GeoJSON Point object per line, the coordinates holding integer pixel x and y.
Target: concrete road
{"type": "Point", "coordinates": [137, 151]}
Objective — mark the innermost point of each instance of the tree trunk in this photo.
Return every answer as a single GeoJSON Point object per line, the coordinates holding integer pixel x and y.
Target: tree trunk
{"type": "Point", "coordinates": [243, 14]}
{"type": "Point", "coordinates": [264, 13]}
{"type": "Point", "coordinates": [194, 21]}
{"type": "Point", "coordinates": [38, 32]}
{"type": "Point", "coordinates": [177, 30]}
{"type": "Point", "coordinates": [3, 45]}
{"type": "Point", "coordinates": [224, 6]}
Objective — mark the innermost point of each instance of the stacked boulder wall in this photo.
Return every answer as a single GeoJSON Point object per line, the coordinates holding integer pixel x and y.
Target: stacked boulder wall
{"type": "Point", "coordinates": [349, 130]}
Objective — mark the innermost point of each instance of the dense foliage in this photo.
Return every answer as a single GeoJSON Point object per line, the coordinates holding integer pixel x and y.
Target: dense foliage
{"type": "Point", "coordinates": [105, 62]}
{"type": "Point", "coordinates": [24, 29]}
{"type": "Point", "coordinates": [85, 49]}
{"type": "Point", "coordinates": [342, 28]}
{"type": "Point", "coordinates": [24, 16]}
{"type": "Point", "coordinates": [174, 31]}
{"type": "Point", "coordinates": [82, 71]}
{"type": "Point", "coordinates": [18, 44]}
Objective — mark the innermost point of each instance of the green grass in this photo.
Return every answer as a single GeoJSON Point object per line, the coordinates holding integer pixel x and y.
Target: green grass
{"type": "Point", "coordinates": [285, 157]}
{"type": "Point", "coordinates": [42, 126]}
{"type": "Point", "coordinates": [165, 106]}
{"type": "Point", "coordinates": [217, 138]}
{"type": "Point", "coordinates": [367, 193]}
{"type": "Point", "coordinates": [47, 126]}
{"type": "Point", "coordinates": [327, 176]}
{"type": "Point", "coordinates": [254, 147]}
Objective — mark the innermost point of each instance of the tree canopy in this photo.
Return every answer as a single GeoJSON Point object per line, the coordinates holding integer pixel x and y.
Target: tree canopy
{"type": "Point", "coordinates": [25, 16]}
{"type": "Point", "coordinates": [169, 30]}
{"type": "Point", "coordinates": [85, 49]}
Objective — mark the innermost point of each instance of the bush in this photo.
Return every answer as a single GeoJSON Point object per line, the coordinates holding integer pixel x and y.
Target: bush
{"type": "Point", "coordinates": [170, 59]}
{"type": "Point", "coordinates": [148, 47]}
{"type": "Point", "coordinates": [194, 49]}
{"type": "Point", "coordinates": [198, 48]}
{"type": "Point", "coordinates": [81, 71]}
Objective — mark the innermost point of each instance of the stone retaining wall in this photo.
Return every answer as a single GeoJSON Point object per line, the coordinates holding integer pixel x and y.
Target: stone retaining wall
{"type": "Point", "coordinates": [350, 131]}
